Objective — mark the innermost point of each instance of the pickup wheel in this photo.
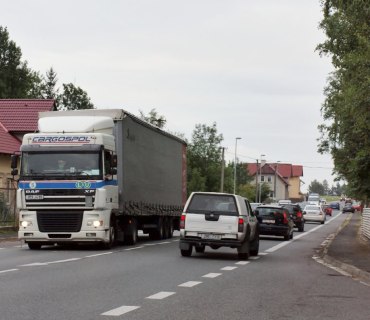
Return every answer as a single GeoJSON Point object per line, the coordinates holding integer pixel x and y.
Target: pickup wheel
{"type": "Point", "coordinates": [243, 251]}
{"type": "Point", "coordinates": [255, 245]}
{"type": "Point", "coordinates": [200, 249]}
{"type": "Point", "coordinates": [34, 245]}
{"type": "Point", "coordinates": [187, 252]}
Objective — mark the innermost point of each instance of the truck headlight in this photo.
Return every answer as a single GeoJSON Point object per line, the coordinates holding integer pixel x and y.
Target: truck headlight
{"type": "Point", "coordinates": [25, 223]}
{"type": "Point", "coordinates": [95, 223]}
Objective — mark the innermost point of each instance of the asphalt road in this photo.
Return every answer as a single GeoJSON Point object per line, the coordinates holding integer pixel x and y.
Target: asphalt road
{"type": "Point", "coordinates": [152, 281]}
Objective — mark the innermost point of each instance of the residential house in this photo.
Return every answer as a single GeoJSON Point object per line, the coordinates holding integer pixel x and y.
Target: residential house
{"type": "Point", "coordinates": [17, 117]}
{"type": "Point", "coordinates": [283, 179]}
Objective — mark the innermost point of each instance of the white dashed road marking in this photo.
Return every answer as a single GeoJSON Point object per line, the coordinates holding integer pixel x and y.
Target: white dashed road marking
{"type": "Point", "coordinates": [120, 311]}
{"type": "Point", "coordinates": [66, 260]}
{"type": "Point", "coordinates": [189, 284]}
{"type": "Point", "coordinates": [254, 258]}
{"type": "Point", "coordinates": [242, 263]}
{"type": "Point", "coordinates": [9, 270]}
{"type": "Point", "coordinates": [135, 248]}
{"type": "Point", "coordinates": [211, 275]}
{"type": "Point", "coordinates": [99, 254]}
{"type": "Point", "coordinates": [229, 268]}
{"type": "Point", "coordinates": [161, 295]}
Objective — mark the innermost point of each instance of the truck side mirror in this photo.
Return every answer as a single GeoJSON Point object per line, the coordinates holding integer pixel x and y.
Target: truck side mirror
{"type": "Point", "coordinates": [114, 161]}
{"type": "Point", "coordinates": [14, 161]}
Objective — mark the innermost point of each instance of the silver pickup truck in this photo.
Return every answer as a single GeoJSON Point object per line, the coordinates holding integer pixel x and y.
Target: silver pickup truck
{"type": "Point", "coordinates": [218, 220]}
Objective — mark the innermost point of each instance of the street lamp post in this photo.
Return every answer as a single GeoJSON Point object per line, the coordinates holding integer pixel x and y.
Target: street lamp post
{"type": "Point", "coordinates": [236, 144]}
{"type": "Point", "coordinates": [262, 155]}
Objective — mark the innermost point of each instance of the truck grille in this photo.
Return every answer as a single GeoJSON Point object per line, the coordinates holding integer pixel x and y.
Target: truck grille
{"type": "Point", "coordinates": [59, 221]}
{"type": "Point", "coordinates": [60, 199]}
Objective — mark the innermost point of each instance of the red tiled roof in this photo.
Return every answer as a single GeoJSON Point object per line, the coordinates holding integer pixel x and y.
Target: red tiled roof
{"type": "Point", "coordinates": [285, 170]}
{"type": "Point", "coordinates": [21, 115]}
{"type": "Point", "coordinates": [8, 143]}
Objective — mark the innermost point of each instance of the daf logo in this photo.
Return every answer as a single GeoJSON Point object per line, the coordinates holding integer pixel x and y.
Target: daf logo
{"type": "Point", "coordinates": [32, 191]}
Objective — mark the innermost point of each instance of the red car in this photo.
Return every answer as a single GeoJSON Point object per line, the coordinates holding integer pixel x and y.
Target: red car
{"type": "Point", "coordinates": [357, 206]}
{"type": "Point", "coordinates": [328, 211]}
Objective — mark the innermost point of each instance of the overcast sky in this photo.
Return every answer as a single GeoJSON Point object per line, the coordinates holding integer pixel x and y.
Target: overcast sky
{"type": "Point", "coordinates": [250, 66]}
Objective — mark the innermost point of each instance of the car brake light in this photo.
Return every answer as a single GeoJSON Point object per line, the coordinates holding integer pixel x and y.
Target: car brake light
{"type": "Point", "coordinates": [299, 214]}
{"type": "Point", "coordinates": [285, 218]}
{"type": "Point", "coordinates": [240, 225]}
{"type": "Point", "coordinates": [182, 221]}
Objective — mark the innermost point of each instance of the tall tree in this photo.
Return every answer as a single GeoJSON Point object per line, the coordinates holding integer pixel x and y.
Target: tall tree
{"type": "Point", "coordinates": [16, 79]}
{"type": "Point", "coordinates": [316, 187]}
{"type": "Point", "coordinates": [154, 118]}
{"type": "Point", "coordinates": [346, 131]}
{"type": "Point", "coordinates": [74, 98]}
{"type": "Point", "coordinates": [50, 90]}
{"type": "Point", "coordinates": [204, 155]}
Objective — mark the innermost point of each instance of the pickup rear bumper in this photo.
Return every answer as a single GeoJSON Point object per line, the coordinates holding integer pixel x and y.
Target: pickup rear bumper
{"type": "Point", "coordinates": [197, 242]}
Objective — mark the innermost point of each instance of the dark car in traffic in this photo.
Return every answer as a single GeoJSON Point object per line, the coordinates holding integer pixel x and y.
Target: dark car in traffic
{"type": "Point", "coordinates": [348, 208]}
{"type": "Point", "coordinates": [295, 211]}
{"type": "Point", "coordinates": [275, 220]}
{"type": "Point", "coordinates": [334, 205]}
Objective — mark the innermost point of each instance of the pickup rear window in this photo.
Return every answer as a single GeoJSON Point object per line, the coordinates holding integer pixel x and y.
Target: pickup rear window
{"type": "Point", "coordinates": [208, 203]}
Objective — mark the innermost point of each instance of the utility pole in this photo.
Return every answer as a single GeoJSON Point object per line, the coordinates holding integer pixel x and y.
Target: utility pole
{"type": "Point", "coordinates": [236, 144]}
{"type": "Point", "coordinates": [257, 181]}
{"type": "Point", "coordinates": [222, 169]}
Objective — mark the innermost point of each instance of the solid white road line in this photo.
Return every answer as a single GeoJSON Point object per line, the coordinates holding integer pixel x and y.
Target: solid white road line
{"type": "Point", "coordinates": [9, 270]}
{"type": "Point", "coordinates": [135, 248]}
{"type": "Point", "coordinates": [120, 311]}
{"type": "Point", "coordinates": [35, 264]}
{"type": "Point", "coordinates": [99, 254]}
{"type": "Point", "coordinates": [228, 268]}
{"type": "Point", "coordinates": [189, 284]}
{"type": "Point", "coordinates": [66, 260]}
{"type": "Point", "coordinates": [211, 275]}
{"type": "Point", "coordinates": [161, 295]}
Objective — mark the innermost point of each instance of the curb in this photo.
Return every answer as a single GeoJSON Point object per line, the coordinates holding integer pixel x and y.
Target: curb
{"type": "Point", "coordinates": [346, 269]}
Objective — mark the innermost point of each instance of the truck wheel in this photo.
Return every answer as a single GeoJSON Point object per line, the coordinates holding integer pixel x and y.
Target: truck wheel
{"type": "Point", "coordinates": [131, 233]}
{"type": "Point", "coordinates": [34, 245]}
{"type": "Point", "coordinates": [255, 245]}
{"type": "Point", "coordinates": [186, 253]}
{"type": "Point", "coordinates": [112, 234]}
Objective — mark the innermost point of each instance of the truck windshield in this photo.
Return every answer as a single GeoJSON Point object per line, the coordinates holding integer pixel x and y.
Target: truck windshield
{"type": "Point", "coordinates": [60, 165]}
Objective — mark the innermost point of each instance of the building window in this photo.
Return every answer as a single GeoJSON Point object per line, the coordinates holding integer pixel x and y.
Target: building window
{"type": "Point", "coordinates": [269, 179]}
{"type": "Point", "coordinates": [262, 178]}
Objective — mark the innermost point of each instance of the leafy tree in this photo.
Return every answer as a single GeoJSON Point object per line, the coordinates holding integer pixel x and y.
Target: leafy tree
{"type": "Point", "coordinates": [74, 98]}
{"type": "Point", "coordinates": [316, 187]}
{"type": "Point", "coordinates": [16, 79]}
{"type": "Point", "coordinates": [154, 118]}
{"type": "Point", "coordinates": [204, 155]}
{"type": "Point", "coordinates": [346, 131]}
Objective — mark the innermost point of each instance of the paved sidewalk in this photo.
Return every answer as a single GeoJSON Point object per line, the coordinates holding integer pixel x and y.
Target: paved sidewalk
{"type": "Point", "coordinates": [348, 251]}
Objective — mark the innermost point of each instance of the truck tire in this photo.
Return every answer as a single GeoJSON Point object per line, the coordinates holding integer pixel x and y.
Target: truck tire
{"type": "Point", "coordinates": [112, 234]}
{"type": "Point", "coordinates": [158, 232]}
{"type": "Point", "coordinates": [130, 233]}
{"type": "Point", "coordinates": [34, 245]}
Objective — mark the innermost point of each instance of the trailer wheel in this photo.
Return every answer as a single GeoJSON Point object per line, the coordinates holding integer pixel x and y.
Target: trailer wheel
{"type": "Point", "coordinates": [130, 233]}
{"type": "Point", "coordinates": [158, 232]}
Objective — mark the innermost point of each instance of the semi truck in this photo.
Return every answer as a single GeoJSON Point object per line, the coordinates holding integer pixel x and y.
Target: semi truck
{"type": "Point", "coordinates": [98, 176]}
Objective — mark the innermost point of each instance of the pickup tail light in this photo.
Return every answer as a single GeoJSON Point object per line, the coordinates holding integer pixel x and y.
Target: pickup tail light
{"type": "Point", "coordinates": [240, 225]}
{"type": "Point", "coordinates": [182, 221]}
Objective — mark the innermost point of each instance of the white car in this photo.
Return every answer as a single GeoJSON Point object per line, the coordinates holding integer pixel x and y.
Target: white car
{"type": "Point", "coordinates": [314, 213]}
{"type": "Point", "coordinates": [218, 220]}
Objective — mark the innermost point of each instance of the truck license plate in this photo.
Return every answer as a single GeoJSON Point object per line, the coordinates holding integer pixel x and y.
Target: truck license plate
{"type": "Point", "coordinates": [34, 197]}
{"type": "Point", "coordinates": [210, 236]}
